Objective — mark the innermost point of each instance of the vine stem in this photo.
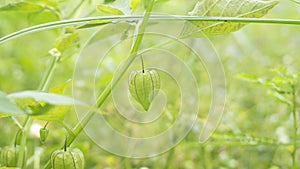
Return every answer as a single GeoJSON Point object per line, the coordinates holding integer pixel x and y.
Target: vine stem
{"type": "Point", "coordinates": [133, 54]}
{"type": "Point", "coordinates": [170, 158]}
{"type": "Point", "coordinates": [80, 21]}
{"type": "Point", "coordinates": [28, 120]}
{"type": "Point", "coordinates": [294, 104]}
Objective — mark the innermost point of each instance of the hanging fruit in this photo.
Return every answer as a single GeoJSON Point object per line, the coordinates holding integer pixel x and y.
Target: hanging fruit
{"type": "Point", "coordinates": [144, 86]}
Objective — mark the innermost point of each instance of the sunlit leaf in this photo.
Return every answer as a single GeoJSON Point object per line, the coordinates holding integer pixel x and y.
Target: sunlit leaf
{"type": "Point", "coordinates": [134, 4]}
{"type": "Point", "coordinates": [45, 106]}
{"type": "Point", "coordinates": [109, 10]}
{"type": "Point", "coordinates": [225, 8]}
{"type": "Point", "coordinates": [252, 78]}
{"type": "Point", "coordinates": [8, 107]}
{"type": "Point", "coordinates": [21, 7]}
{"type": "Point", "coordinates": [51, 98]}
{"type": "Point", "coordinates": [60, 89]}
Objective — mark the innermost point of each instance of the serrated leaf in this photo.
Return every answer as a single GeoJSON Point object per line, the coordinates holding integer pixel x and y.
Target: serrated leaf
{"type": "Point", "coordinates": [109, 10]}
{"type": "Point", "coordinates": [224, 8]}
{"type": "Point", "coordinates": [94, 24]}
{"type": "Point", "coordinates": [21, 7]}
{"type": "Point", "coordinates": [8, 107]}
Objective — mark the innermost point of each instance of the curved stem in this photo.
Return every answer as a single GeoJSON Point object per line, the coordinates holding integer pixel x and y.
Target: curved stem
{"type": "Point", "coordinates": [133, 53]}
{"type": "Point", "coordinates": [28, 120]}
{"type": "Point", "coordinates": [79, 21]}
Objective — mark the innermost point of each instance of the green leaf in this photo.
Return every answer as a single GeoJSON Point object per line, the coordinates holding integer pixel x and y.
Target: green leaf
{"type": "Point", "coordinates": [51, 98]}
{"type": "Point", "coordinates": [134, 4]}
{"type": "Point", "coordinates": [281, 98]}
{"type": "Point", "coordinates": [21, 7]}
{"type": "Point", "coordinates": [94, 24]}
{"type": "Point", "coordinates": [108, 1]}
{"type": "Point", "coordinates": [111, 30]}
{"type": "Point", "coordinates": [109, 10]}
{"type": "Point", "coordinates": [67, 41]}
{"type": "Point", "coordinates": [50, 112]}
{"type": "Point", "coordinates": [60, 89]}
{"type": "Point", "coordinates": [224, 8]}
{"type": "Point", "coordinates": [251, 78]}
{"type": "Point", "coordinates": [67, 45]}
{"type": "Point", "coordinates": [45, 106]}
{"type": "Point", "coordinates": [8, 108]}
{"type": "Point", "coordinates": [48, 106]}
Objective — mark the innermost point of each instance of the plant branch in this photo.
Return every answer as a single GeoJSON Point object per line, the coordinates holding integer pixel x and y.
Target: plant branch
{"type": "Point", "coordinates": [28, 121]}
{"type": "Point", "coordinates": [48, 75]}
{"type": "Point", "coordinates": [133, 53]}
{"type": "Point", "coordinates": [80, 21]}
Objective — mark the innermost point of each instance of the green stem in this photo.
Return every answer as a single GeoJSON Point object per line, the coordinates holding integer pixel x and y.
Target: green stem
{"type": "Point", "coordinates": [80, 21]}
{"type": "Point", "coordinates": [21, 157]}
{"type": "Point", "coordinates": [48, 75]}
{"type": "Point", "coordinates": [295, 127]}
{"type": "Point", "coordinates": [170, 158]}
{"type": "Point", "coordinates": [133, 53]}
{"type": "Point", "coordinates": [28, 121]}
{"type": "Point", "coordinates": [127, 163]}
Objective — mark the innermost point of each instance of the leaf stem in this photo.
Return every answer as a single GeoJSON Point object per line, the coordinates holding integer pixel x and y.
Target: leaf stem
{"type": "Point", "coordinates": [133, 53]}
{"type": "Point", "coordinates": [80, 21]}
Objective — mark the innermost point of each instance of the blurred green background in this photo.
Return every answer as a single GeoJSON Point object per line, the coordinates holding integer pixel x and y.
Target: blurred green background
{"type": "Point", "coordinates": [249, 110]}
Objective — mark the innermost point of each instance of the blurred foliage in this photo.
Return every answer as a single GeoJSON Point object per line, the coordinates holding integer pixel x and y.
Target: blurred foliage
{"type": "Point", "coordinates": [255, 128]}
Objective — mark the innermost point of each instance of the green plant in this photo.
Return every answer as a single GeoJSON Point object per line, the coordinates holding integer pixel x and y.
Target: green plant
{"type": "Point", "coordinates": [50, 105]}
{"type": "Point", "coordinates": [67, 158]}
{"type": "Point", "coordinates": [144, 86]}
{"type": "Point", "coordinates": [283, 87]}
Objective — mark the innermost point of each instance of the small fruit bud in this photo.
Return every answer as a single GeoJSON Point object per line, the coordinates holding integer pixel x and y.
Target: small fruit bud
{"type": "Point", "coordinates": [44, 134]}
{"type": "Point", "coordinates": [70, 159]}
{"type": "Point", "coordinates": [144, 86]}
